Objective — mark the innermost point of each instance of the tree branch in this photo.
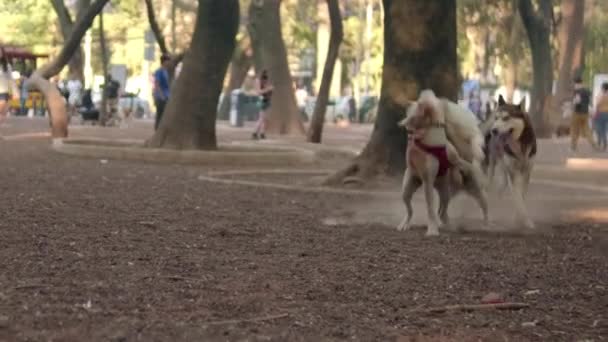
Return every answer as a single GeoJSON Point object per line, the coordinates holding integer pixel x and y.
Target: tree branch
{"type": "Point", "coordinates": [160, 39]}
{"type": "Point", "coordinates": [65, 20]}
{"type": "Point", "coordinates": [73, 42]}
{"type": "Point", "coordinates": [528, 16]}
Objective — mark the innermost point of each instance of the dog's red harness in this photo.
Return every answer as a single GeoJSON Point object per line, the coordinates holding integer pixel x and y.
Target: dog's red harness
{"type": "Point", "coordinates": [440, 153]}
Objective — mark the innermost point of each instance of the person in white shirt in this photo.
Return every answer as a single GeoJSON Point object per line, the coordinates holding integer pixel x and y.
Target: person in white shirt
{"type": "Point", "coordinates": [7, 85]}
{"type": "Point", "coordinates": [74, 87]}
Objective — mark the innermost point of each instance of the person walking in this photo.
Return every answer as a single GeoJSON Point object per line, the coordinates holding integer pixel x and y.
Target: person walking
{"type": "Point", "coordinates": [23, 93]}
{"type": "Point", "coordinates": [579, 124]}
{"type": "Point", "coordinates": [7, 85]}
{"type": "Point", "coordinates": [601, 117]}
{"type": "Point", "coordinates": [112, 92]}
{"type": "Point", "coordinates": [74, 88]}
{"type": "Point", "coordinates": [265, 92]}
{"type": "Point", "coordinates": [161, 88]}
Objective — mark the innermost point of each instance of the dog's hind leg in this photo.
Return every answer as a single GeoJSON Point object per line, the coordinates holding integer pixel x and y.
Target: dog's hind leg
{"type": "Point", "coordinates": [443, 188]}
{"type": "Point", "coordinates": [410, 185]}
{"type": "Point", "coordinates": [429, 194]}
{"type": "Point", "coordinates": [476, 190]}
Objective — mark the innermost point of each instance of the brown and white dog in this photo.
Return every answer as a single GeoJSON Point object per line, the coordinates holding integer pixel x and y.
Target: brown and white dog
{"type": "Point", "coordinates": [511, 147]}
{"type": "Point", "coordinates": [444, 153]}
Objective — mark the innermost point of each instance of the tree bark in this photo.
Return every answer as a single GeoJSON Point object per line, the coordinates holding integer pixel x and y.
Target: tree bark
{"type": "Point", "coordinates": [103, 111]}
{"type": "Point", "coordinates": [160, 39]}
{"type": "Point", "coordinates": [414, 60]}
{"type": "Point", "coordinates": [538, 27]}
{"type": "Point", "coordinates": [189, 119]}
{"type": "Point", "coordinates": [241, 62]}
{"type": "Point", "coordinates": [515, 33]}
{"type": "Point", "coordinates": [270, 53]}
{"type": "Point", "coordinates": [39, 79]}
{"type": "Point", "coordinates": [315, 130]}
{"type": "Point", "coordinates": [570, 39]}
{"type": "Point", "coordinates": [76, 63]}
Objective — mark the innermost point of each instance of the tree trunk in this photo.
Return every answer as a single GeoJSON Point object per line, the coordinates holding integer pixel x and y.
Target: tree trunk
{"type": "Point", "coordinates": [103, 111]}
{"type": "Point", "coordinates": [570, 39]}
{"type": "Point", "coordinates": [538, 28]}
{"type": "Point", "coordinates": [241, 62]}
{"type": "Point", "coordinates": [510, 80]}
{"type": "Point", "coordinates": [189, 119]}
{"type": "Point", "coordinates": [336, 35]}
{"type": "Point", "coordinates": [270, 53]}
{"type": "Point", "coordinates": [413, 60]}
{"type": "Point", "coordinates": [515, 33]}
{"type": "Point", "coordinates": [39, 79]}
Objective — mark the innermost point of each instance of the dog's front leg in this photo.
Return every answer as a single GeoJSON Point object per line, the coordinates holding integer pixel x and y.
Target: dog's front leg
{"type": "Point", "coordinates": [410, 185]}
{"type": "Point", "coordinates": [517, 185]}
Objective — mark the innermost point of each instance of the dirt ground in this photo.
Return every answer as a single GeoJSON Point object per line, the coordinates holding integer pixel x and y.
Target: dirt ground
{"type": "Point", "coordinates": [125, 251]}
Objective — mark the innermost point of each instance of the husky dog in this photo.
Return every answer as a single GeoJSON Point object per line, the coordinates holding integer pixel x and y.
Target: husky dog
{"type": "Point", "coordinates": [511, 146]}
{"type": "Point", "coordinates": [445, 153]}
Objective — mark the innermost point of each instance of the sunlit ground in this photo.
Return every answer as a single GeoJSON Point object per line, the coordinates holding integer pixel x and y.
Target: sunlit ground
{"type": "Point", "coordinates": [587, 164]}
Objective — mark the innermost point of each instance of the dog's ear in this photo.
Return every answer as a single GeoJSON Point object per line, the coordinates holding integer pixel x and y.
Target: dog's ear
{"type": "Point", "coordinates": [522, 105]}
{"type": "Point", "coordinates": [501, 101]}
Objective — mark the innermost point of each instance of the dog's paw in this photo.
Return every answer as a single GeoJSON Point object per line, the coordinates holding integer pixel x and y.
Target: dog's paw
{"type": "Point", "coordinates": [432, 230]}
{"type": "Point", "coordinates": [403, 226]}
{"type": "Point", "coordinates": [529, 224]}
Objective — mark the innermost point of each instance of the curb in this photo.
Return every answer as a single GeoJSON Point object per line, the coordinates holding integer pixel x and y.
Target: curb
{"type": "Point", "coordinates": [229, 155]}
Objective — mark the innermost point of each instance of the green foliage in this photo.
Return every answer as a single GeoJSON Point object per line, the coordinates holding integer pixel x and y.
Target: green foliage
{"type": "Point", "coordinates": [596, 41]}
{"type": "Point", "coordinates": [31, 23]}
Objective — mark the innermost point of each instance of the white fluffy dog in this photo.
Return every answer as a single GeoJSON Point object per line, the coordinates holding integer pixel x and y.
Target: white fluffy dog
{"type": "Point", "coordinates": [445, 152]}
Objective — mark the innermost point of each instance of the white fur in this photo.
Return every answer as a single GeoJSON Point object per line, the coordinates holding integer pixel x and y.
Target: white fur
{"type": "Point", "coordinates": [453, 127]}
{"type": "Point", "coordinates": [461, 125]}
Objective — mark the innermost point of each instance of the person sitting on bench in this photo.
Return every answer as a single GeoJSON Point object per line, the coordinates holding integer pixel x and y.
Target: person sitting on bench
{"type": "Point", "coordinates": [87, 109]}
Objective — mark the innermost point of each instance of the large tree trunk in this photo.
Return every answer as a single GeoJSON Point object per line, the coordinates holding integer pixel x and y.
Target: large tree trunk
{"type": "Point", "coordinates": [189, 119]}
{"type": "Point", "coordinates": [413, 60]}
{"type": "Point", "coordinates": [515, 33]}
{"type": "Point", "coordinates": [318, 117]}
{"type": "Point", "coordinates": [241, 62]}
{"type": "Point", "coordinates": [270, 53]}
{"type": "Point", "coordinates": [39, 79]}
{"type": "Point", "coordinates": [570, 38]}
{"type": "Point", "coordinates": [538, 27]}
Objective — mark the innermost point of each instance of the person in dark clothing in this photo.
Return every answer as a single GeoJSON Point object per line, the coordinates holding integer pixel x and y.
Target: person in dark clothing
{"type": "Point", "coordinates": [112, 92]}
{"type": "Point", "coordinates": [87, 108]}
{"type": "Point", "coordinates": [352, 109]}
{"type": "Point", "coordinates": [265, 92]}
{"type": "Point", "coordinates": [579, 124]}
